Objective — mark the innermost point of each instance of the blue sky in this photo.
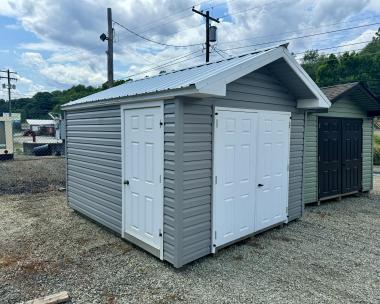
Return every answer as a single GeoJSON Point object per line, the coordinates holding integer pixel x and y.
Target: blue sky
{"type": "Point", "coordinates": [55, 44]}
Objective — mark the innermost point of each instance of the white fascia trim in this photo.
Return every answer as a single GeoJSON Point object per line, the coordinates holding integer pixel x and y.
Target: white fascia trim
{"type": "Point", "coordinates": [216, 85]}
{"type": "Point", "coordinates": [321, 101]}
{"type": "Point", "coordinates": [133, 99]}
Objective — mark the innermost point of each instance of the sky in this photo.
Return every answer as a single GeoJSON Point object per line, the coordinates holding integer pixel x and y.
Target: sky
{"type": "Point", "coordinates": [53, 45]}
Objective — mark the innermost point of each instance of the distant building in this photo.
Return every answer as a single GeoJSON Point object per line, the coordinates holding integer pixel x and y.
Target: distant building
{"type": "Point", "coordinates": [42, 126]}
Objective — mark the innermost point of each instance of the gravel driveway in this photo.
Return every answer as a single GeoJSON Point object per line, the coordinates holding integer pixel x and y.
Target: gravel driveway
{"type": "Point", "coordinates": [332, 255]}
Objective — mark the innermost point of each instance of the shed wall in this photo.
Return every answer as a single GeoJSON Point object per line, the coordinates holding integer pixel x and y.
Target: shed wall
{"type": "Point", "coordinates": [94, 164]}
{"type": "Point", "coordinates": [191, 205]}
{"type": "Point", "coordinates": [341, 108]}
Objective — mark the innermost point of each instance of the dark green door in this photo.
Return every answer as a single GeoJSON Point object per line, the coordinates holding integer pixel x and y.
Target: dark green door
{"type": "Point", "coordinates": [329, 156]}
{"type": "Point", "coordinates": [339, 156]}
{"type": "Point", "coordinates": [351, 155]}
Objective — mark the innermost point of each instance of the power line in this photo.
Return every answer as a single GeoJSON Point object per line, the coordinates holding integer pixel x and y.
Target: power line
{"type": "Point", "coordinates": [183, 17]}
{"type": "Point", "coordinates": [251, 9]}
{"type": "Point", "coordinates": [154, 41]}
{"type": "Point", "coordinates": [335, 47]}
{"type": "Point", "coordinates": [301, 37]}
{"type": "Point", "coordinates": [169, 16]}
{"type": "Point", "coordinates": [168, 63]}
{"type": "Point", "coordinates": [301, 30]}
{"type": "Point", "coordinates": [9, 87]}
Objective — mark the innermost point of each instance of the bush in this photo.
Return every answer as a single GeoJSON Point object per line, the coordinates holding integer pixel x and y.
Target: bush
{"type": "Point", "coordinates": [376, 149]}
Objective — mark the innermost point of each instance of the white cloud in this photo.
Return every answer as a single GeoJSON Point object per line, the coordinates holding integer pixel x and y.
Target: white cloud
{"type": "Point", "coordinates": [357, 43]}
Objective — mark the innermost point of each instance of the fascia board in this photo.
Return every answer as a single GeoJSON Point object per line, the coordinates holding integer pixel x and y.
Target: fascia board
{"type": "Point", "coordinates": [321, 100]}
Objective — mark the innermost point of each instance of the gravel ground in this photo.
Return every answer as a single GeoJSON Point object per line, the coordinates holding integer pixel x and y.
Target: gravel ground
{"type": "Point", "coordinates": [332, 255]}
{"type": "Point", "coordinates": [31, 174]}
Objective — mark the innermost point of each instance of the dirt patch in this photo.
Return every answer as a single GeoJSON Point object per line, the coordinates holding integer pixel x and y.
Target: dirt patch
{"type": "Point", "coordinates": [32, 175]}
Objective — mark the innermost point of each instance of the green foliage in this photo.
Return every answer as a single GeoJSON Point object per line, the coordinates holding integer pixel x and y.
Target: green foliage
{"type": "Point", "coordinates": [332, 69]}
{"type": "Point", "coordinates": [376, 149]}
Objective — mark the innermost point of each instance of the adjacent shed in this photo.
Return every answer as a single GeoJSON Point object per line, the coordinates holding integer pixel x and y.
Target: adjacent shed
{"type": "Point", "coordinates": [338, 144]}
{"type": "Point", "coordinates": [185, 163]}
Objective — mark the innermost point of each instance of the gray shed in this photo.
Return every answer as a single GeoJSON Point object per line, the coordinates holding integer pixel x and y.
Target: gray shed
{"type": "Point", "coordinates": [339, 153]}
{"type": "Point", "coordinates": [187, 162]}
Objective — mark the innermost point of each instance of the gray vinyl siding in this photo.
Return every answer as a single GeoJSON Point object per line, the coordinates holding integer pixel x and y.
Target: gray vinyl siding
{"type": "Point", "coordinates": [367, 182]}
{"type": "Point", "coordinates": [344, 108]}
{"type": "Point", "coordinates": [94, 164]}
{"type": "Point", "coordinates": [188, 183]}
{"type": "Point", "coordinates": [171, 183]}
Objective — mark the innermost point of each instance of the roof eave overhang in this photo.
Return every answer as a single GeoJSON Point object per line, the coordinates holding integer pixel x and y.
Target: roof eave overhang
{"type": "Point", "coordinates": [164, 95]}
{"type": "Point", "coordinates": [216, 85]}
{"type": "Point", "coordinates": [320, 101]}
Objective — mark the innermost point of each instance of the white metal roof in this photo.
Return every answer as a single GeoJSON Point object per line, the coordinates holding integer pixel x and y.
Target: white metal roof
{"type": "Point", "coordinates": [204, 80]}
{"type": "Point", "coordinates": [40, 122]}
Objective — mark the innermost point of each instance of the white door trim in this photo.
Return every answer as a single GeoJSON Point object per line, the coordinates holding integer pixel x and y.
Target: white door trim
{"type": "Point", "coordinates": [124, 107]}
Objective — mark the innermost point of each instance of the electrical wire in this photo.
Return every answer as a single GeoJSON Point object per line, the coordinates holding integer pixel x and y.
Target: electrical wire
{"type": "Point", "coordinates": [301, 37]}
{"type": "Point", "coordinates": [334, 47]}
{"type": "Point", "coordinates": [301, 30]}
{"type": "Point", "coordinates": [166, 64]}
{"type": "Point", "coordinates": [147, 29]}
{"type": "Point", "coordinates": [154, 41]}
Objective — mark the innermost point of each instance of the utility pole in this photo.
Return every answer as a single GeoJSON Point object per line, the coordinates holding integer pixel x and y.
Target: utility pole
{"type": "Point", "coordinates": [9, 87]}
{"type": "Point", "coordinates": [110, 49]}
{"type": "Point", "coordinates": [208, 18]}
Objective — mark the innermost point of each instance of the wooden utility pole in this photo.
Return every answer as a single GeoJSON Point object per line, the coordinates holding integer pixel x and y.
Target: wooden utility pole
{"type": "Point", "coordinates": [110, 49]}
{"type": "Point", "coordinates": [208, 18]}
{"type": "Point", "coordinates": [9, 87]}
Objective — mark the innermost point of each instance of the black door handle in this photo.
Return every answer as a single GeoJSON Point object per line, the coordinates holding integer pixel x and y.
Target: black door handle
{"type": "Point", "coordinates": [260, 185]}
{"type": "Point", "coordinates": [126, 182]}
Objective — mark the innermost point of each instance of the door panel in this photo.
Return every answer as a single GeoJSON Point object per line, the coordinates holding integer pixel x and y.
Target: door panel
{"type": "Point", "coordinates": [143, 170]}
{"type": "Point", "coordinates": [329, 151]}
{"type": "Point", "coordinates": [249, 148]}
{"type": "Point", "coordinates": [351, 155]}
{"type": "Point", "coordinates": [234, 167]}
{"type": "Point", "coordinates": [340, 156]}
{"type": "Point", "coordinates": [272, 169]}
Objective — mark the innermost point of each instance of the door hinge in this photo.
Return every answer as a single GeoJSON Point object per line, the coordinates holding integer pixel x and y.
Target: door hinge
{"type": "Point", "coordinates": [286, 210]}
{"type": "Point", "coordinates": [160, 179]}
{"type": "Point", "coordinates": [216, 123]}
{"type": "Point", "coordinates": [159, 232]}
{"type": "Point", "coordinates": [215, 235]}
{"type": "Point", "coordinates": [161, 124]}
{"type": "Point", "coordinates": [216, 180]}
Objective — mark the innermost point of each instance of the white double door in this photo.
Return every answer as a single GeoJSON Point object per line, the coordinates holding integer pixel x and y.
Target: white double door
{"type": "Point", "coordinates": [142, 174]}
{"type": "Point", "coordinates": [251, 156]}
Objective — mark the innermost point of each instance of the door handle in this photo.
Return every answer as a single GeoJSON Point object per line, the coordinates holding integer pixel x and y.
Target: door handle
{"type": "Point", "coordinates": [126, 182]}
{"type": "Point", "coordinates": [260, 185]}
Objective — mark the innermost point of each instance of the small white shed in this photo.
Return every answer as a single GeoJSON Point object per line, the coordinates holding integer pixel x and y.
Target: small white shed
{"type": "Point", "coordinates": [185, 163]}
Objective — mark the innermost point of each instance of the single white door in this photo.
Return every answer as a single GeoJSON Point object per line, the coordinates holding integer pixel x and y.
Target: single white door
{"type": "Point", "coordinates": [234, 175]}
{"type": "Point", "coordinates": [272, 169]}
{"type": "Point", "coordinates": [143, 170]}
